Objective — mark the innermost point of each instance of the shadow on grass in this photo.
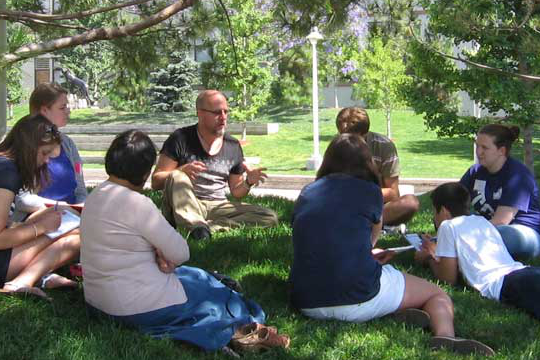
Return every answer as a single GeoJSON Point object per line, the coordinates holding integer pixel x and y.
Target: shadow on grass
{"type": "Point", "coordinates": [461, 148]}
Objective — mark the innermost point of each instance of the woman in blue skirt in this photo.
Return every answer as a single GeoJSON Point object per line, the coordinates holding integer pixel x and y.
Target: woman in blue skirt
{"type": "Point", "coordinates": [130, 255]}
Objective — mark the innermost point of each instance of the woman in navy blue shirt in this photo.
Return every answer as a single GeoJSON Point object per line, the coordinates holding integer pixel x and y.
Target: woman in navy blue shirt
{"type": "Point", "coordinates": [504, 191]}
{"type": "Point", "coordinates": [336, 273]}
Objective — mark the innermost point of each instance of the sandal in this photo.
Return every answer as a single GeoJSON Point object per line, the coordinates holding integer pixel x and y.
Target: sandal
{"type": "Point", "coordinates": [461, 346]}
{"type": "Point", "coordinates": [249, 329]}
{"type": "Point", "coordinates": [262, 339]}
{"type": "Point", "coordinates": [15, 289]}
{"type": "Point", "coordinates": [413, 317]}
{"type": "Point", "coordinates": [54, 281]}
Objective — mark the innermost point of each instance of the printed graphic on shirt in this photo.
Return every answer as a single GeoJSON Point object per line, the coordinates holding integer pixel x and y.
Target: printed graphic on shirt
{"type": "Point", "coordinates": [479, 199]}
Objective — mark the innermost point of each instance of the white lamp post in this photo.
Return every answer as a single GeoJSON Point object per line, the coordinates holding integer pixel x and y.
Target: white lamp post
{"type": "Point", "coordinates": [315, 161]}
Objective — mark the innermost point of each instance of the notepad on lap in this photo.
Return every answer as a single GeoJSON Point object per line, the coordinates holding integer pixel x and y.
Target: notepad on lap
{"type": "Point", "coordinates": [70, 221]}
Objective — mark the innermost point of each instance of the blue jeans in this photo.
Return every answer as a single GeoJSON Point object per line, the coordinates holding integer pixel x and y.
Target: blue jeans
{"type": "Point", "coordinates": [521, 241]}
{"type": "Point", "coordinates": [521, 288]}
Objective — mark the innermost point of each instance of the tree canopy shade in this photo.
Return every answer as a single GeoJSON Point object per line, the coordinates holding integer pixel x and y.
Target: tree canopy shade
{"type": "Point", "coordinates": [73, 33]}
{"type": "Point", "coordinates": [500, 43]}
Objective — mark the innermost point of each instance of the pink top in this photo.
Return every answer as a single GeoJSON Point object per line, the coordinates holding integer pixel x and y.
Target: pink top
{"type": "Point", "coordinates": [120, 230]}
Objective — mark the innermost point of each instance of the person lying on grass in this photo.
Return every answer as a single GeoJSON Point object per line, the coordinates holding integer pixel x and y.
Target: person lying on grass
{"type": "Point", "coordinates": [336, 273]}
{"type": "Point", "coordinates": [130, 255]}
{"type": "Point", "coordinates": [472, 246]}
{"type": "Point", "coordinates": [26, 253]}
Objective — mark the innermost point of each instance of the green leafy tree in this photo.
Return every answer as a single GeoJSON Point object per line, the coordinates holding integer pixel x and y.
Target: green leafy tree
{"type": "Point", "coordinates": [499, 49]}
{"type": "Point", "coordinates": [382, 77]}
{"type": "Point", "coordinates": [171, 88]}
{"type": "Point", "coordinates": [242, 66]}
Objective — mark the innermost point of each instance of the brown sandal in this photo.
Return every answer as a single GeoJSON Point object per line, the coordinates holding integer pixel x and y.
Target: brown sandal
{"type": "Point", "coordinates": [262, 338]}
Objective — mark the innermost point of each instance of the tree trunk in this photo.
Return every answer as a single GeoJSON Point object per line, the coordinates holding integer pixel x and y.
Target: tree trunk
{"type": "Point", "coordinates": [528, 155]}
{"type": "Point", "coordinates": [244, 103]}
{"type": "Point", "coordinates": [388, 128]}
{"type": "Point", "coordinates": [244, 130]}
{"type": "Point", "coordinates": [336, 103]}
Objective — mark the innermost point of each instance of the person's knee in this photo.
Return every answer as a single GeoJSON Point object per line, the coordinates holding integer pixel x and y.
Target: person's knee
{"type": "Point", "coordinates": [410, 203]}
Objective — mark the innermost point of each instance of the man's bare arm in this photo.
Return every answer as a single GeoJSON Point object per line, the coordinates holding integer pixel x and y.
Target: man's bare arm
{"type": "Point", "coordinates": [165, 165]}
{"type": "Point", "coordinates": [390, 189]}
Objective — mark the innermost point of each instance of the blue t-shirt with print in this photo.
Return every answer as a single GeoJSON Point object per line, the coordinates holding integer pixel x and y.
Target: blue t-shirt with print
{"type": "Point", "coordinates": [513, 185]}
{"type": "Point", "coordinates": [62, 182]}
{"type": "Point", "coordinates": [332, 223]}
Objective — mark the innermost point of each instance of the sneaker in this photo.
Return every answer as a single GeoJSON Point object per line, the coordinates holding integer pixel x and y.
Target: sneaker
{"type": "Point", "coordinates": [394, 229]}
{"type": "Point", "coordinates": [461, 346]}
{"type": "Point", "coordinates": [414, 317]}
{"type": "Point", "coordinates": [200, 233]}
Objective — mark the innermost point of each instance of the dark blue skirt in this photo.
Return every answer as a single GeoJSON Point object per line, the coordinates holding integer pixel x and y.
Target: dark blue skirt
{"type": "Point", "coordinates": [208, 319]}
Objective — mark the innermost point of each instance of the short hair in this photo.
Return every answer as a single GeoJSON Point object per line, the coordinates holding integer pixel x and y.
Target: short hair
{"type": "Point", "coordinates": [503, 135]}
{"type": "Point", "coordinates": [349, 154]}
{"type": "Point", "coordinates": [131, 157]}
{"type": "Point", "coordinates": [22, 144]}
{"type": "Point", "coordinates": [205, 94]}
{"type": "Point", "coordinates": [353, 120]}
{"type": "Point", "coordinates": [453, 196]}
{"type": "Point", "coordinates": [45, 94]}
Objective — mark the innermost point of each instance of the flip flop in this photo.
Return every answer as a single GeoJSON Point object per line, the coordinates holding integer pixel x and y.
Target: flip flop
{"type": "Point", "coordinates": [413, 317]}
{"type": "Point", "coordinates": [25, 291]}
{"type": "Point", "coordinates": [461, 346]}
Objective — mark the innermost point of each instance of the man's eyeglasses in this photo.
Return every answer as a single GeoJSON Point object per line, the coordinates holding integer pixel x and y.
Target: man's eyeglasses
{"type": "Point", "coordinates": [217, 112]}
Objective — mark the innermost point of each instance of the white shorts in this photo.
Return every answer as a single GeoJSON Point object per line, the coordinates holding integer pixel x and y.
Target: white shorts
{"type": "Point", "coordinates": [385, 302]}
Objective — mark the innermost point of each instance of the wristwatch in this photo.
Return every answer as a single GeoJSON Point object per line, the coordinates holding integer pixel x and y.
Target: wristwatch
{"type": "Point", "coordinates": [248, 185]}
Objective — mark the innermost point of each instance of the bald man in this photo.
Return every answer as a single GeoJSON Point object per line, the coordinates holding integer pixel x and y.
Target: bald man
{"type": "Point", "coordinates": [194, 168]}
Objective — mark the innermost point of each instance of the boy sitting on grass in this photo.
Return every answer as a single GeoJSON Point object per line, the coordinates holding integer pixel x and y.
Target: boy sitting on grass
{"type": "Point", "coordinates": [470, 244]}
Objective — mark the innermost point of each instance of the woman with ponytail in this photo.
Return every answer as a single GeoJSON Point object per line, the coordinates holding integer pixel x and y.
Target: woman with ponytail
{"type": "Point", "coordinates": [504, 190]}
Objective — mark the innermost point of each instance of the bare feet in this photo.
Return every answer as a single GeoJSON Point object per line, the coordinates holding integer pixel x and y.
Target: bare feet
{"type": "Point", "coordinates": [53, 281]}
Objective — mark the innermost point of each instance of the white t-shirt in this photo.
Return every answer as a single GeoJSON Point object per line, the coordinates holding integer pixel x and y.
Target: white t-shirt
{"type": "Point", "coordinates": [482, 256]}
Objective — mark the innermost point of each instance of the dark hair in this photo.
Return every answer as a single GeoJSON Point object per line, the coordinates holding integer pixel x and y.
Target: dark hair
{"type": "Point", "coordinates": [503, 135]}
{"type": "Point", "coordinates": [353, 120]}
{"type": "Point", "coordinates": [349, 154]}
{"type": "Point", "coordinates": [131, 157]}
{"type": "Point", "coordinates": [22, 144]}
{"type": "Point", "coordinates": [45, 94]}
{"type": "Point", "coordinates": [453, 196]}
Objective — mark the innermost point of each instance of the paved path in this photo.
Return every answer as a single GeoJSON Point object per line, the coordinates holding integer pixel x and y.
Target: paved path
{"type": "Point", "coordinates": [287, 186]}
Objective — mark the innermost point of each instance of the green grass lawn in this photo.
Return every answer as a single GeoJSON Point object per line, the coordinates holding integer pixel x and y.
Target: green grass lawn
{"type": "Point", "coordinates": [260, 259]}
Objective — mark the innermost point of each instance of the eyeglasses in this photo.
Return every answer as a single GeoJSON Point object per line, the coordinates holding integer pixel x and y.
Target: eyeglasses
{"type": "Point", "coordinates": [217, 112]}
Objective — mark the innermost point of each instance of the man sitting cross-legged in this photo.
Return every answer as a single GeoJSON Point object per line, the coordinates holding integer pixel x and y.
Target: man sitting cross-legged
{"type": "Point", "coordinates": [397, 209]}
{"type": "Point", "coordinates": [194, 167]}
{"type": "Point", "coordinates": [470, 244]}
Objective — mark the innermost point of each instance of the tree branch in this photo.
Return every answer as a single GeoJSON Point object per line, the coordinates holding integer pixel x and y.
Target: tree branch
{"type": "Point", "coordinates": [15, 15]}
{"type": "Point", "coordinates": [27, 21]}
{"type": "Point", "coordinates": [93, 35]}
{"type": "Point", "coordinates": [475, 64]}
{"type": "Point", "coordinates": [233, 42]}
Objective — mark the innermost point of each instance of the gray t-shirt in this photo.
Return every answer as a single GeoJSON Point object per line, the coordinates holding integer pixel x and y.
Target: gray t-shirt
{"type": "Point", "coordinates": [184, 146]}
